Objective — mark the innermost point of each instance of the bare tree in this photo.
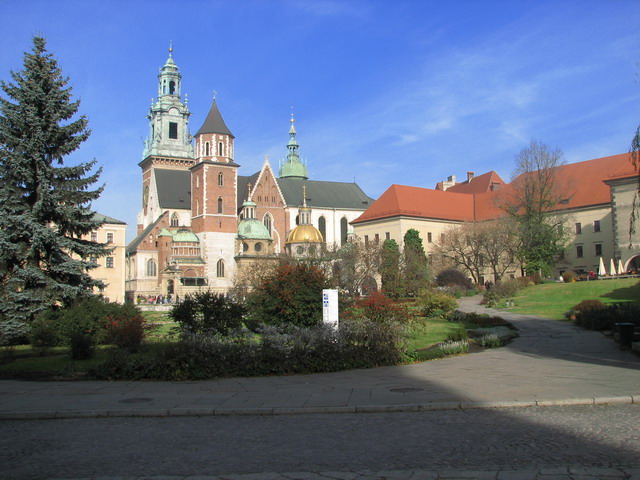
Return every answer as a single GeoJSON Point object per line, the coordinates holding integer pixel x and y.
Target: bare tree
{"type": "Point", "coordinates": [482, 246]}
{"type": "Point", "coordinates": [534, 192]}
{"type": "Point", "coordinates": [635, 205]}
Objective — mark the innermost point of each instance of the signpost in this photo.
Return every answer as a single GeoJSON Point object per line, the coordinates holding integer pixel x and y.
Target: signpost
{"type": "Point", "coordinates": [330, 307]}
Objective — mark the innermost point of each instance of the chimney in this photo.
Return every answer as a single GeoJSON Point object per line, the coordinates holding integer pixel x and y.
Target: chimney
{"type": "Point", "coordinates": [452, 179]}
{"type": "Point", "coordinates": [470, 176]}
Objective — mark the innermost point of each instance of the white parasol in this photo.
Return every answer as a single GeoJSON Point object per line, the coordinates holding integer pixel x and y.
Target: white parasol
{"type": "Point", "coordinates": [612, 267]}
{"type": "Point", "coordinates": [601, 270]}
{"type": "Point", "coordinates": [620, 267]}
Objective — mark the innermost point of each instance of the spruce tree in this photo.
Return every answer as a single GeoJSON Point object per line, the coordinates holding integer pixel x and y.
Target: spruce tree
{"type": "Point", "coordinates": [44, 203]}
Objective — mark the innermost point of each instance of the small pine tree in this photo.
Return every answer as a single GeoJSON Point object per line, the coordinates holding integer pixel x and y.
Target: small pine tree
{"type": "Point", "coordinates": [416, 267]}
{"type": "Point", "coordinates": [390, 269]}
{"type": "Point", "coordinates": [44, 204]}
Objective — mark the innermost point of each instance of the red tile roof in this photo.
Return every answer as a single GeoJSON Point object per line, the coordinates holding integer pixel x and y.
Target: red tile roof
{"type": "Point", "coordinates": [582, 182]}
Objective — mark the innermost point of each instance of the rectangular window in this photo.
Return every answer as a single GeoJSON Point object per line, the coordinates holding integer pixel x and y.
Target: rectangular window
{"type": "Point", "coordinates": [94, 236]}
{"type": "Point", "coordinates": [109, 263]}
{"type": "Point", "coordinates": [387, 236]}
{"type": "Point", "coordinates": [579, 251]}
{"type": "Point", "coordinates": [366, 239]}
{"type": "Point", "coordinates": [109, 237]}
{"type": "Point", "coordinates": [429, 238]}
{"type": "Point", "coordinates": [173, 130]}
{"type": "Point", "coordinates": [578, 228]}
{"type": "Point", "coordinates": [93, 260]}
{"type": "Point", "coordinates": [377, 238]}
{"type": "Point", "coordinates": [598, 249]}
{"type": "Point", "coordinates": [442, 236]}
{"type": "Point", "coordinates": [596, 226]}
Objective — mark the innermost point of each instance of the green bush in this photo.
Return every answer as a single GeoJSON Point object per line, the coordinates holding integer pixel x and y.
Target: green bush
{"type": "Point", "coordinates": [595, 315]}
{"type": "Point", "coordinates": [291, 296]}
{"type": "Point", "coordinates": [81, 345]}
{"type": "Point", "coordinates": [433, 303]}
{"type": "Point", "coordinates": [457, 336]}
{"type": "Point", "coordinates": [44, 333]}
{"type": "Point", "coordinates": [208, 313]}
{"type": "Point", "coordinates": [569, 277]}
{"type": "Point", "coordinates": [490, 341]}
{"type": "Point", "coordinates": [361, 344]}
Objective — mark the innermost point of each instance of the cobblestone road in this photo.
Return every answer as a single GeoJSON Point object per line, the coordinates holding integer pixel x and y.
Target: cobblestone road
{"type": "Point", "coordinates": [537, 442]}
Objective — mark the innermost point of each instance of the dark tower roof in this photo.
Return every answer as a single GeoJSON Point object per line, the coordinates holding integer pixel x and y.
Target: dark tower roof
{"type": "Point", "coordinates": [214, 122]}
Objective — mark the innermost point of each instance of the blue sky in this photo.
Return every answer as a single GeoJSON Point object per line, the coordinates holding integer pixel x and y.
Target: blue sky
{"type": "Point", "coordinates": [405, 92]}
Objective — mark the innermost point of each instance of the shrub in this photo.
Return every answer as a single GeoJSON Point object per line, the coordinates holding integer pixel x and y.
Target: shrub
{"type": "Point", "coordinates": [12, 333]}
{"type": "Point", "coordinates": [88, 316]}
{"type": "Point", "coordinates": [569, 277]}
{"type": "Point", "coordinates": [454, 347]}
{"type": "Point", "coordinates": [595, 315]}
{"type": "Point", "coordinates": [291, 296]}
{"type": "Point", "coordinates": [433, 303]}
{"type": "Point", "coordinates": [378, 308]}
{"type": "Point", "coordinates": [44, 333]}
{"type": "Point", "coordinates": [126, 332]}
{"type": "Point", "coordinates": [453, 277]}
{"type": "Point", "coordinates": [490, 341]}
{"type": "Point", "coordinates": [81, 345]}
{"type": "Point", "coordinates": [457, 336]}
{"type": "Point", "coordinates": [276, 350]}
{"type": "Point", "coordinates": [506, 289]}
{"type": "Point", "coordinates": [208, 313]}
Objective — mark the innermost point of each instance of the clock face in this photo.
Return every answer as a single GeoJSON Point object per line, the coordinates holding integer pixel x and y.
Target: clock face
{"type": "Point", "coordinates": [145, 196]}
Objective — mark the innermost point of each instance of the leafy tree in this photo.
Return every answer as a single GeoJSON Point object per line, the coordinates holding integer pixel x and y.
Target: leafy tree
{"type": "Point", "coordinates": [44, 204]}
{"type": "Point", "coordinates": [390, 268]}
{"type": "Point", "coordinates": [533, 203]}
{"type": "Point", "coordinates": [416, 266]}
{"type": "Point", "coordinates": [291, 296]}
{"type": "Point", "coordinates": [207, 313]}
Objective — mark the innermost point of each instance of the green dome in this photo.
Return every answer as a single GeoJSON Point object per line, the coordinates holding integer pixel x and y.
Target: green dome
{"type": "Point", "coordinates": [253, 229]}
{"type": "Point", "coordinates": [185, 236]}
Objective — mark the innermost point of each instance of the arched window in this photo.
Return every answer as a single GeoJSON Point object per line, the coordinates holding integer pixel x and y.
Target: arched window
{"type": "Point", "coordinates": [343, 230]}
{"type": "Point", "coordinates": [206, 149]}
{"type": "Point", "coordinates": [219, 149]}
{"type": "Point", "coordinates": [322, 226]}
{"type": "Point", "coordinates": [220, 205]}
{"type": "Point", "coordinates": [220, 179]}
{"type": "Point", "coordinates": [172, 87]}
{"type": "Point", "coordinates": [174, 220]}
{"type": "Point", "coordinates": [220, 268]}
{"type": "Point", "coordinates": [267, 222]}
{"type": "Point", "coordinates": [152, 269]}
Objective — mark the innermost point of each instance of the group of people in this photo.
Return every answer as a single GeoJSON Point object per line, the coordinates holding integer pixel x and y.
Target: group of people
{"type": "Point", "coordinates": [157, 299]}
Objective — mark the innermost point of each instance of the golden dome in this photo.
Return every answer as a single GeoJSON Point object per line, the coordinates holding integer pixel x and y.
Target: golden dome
{"type": "Point", "coordinates": [305, 234]}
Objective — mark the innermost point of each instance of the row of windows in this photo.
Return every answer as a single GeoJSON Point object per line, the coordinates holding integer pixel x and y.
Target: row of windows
{"type": "Point", "coordinates": [220, 180]}
{"type": "Point", "coordinates": [152, 267]}
{"type": "Point", "coordinates": [580, 250]}
{"type": "Point", "coordinates": [94, 237]}
{"type": "Point", "coordinates": [207, 150]}
{"type": "Point", "coordinates": [596, 227]}
{"type": "Point", "coordinates": [108, 261]}
{"type": "Point", "coordinates": [388, 237]}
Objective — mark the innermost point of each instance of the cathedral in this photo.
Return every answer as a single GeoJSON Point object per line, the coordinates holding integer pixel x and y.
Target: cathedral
{"type": "Point", "coordinates": [201, 222]}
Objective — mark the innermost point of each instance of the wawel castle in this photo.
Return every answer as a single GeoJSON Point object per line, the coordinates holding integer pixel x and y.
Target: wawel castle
{"type": "Point", "coordinates": [201, 223]}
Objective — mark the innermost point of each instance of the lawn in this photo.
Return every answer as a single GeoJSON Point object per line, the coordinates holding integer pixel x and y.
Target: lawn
{"type": "Point", "coordinates": [551, 300]}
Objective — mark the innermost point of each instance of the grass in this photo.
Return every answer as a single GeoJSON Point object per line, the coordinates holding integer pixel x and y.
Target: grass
{"type": "Point", "coordinates": [426, 332]}
{"type": "Point", "coordinates": [552, 300]}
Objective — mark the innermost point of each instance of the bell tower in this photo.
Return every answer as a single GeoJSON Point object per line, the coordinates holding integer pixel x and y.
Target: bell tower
{"type": "Point", "coordinates": [169, 117]}
{"type": "Point", "coordinates": [214, 203]}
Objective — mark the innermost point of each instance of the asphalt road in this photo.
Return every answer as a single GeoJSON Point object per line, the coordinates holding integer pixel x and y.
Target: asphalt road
{"type": "Point", "coordinates": [499, 439]}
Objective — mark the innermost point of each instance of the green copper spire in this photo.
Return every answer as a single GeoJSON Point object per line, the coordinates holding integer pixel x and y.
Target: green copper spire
{"type": "Point", "coordinates": [293, 166]}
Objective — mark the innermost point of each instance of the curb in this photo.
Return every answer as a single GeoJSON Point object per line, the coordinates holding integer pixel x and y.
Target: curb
{"type": "Point", "coordinates": [405, 408]}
